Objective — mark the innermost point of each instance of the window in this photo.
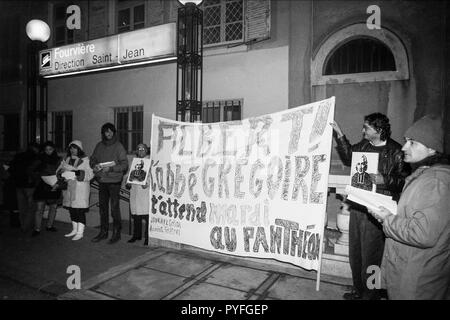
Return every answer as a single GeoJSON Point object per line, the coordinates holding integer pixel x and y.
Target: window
{"type": "Point", "coordinates": [62, 34]}
{"type": "Point", "coordinates": [223, 21]}
{"type": "Point", "coordinates": [129, 122]}
{"type": "Point", "coordinates": [373, 56]}
{"type": "Point", "coordinates": [61, 129]}
{"type": "Point", "coordinates": [360, 55]}
{"type": "Point", "coordinates": [222, 110]}
{"type": "Point", "coordinates": [130, 15]}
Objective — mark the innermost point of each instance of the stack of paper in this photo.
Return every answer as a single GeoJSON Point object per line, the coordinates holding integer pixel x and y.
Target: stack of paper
{"type": "Point", "coordinates": [371, 200]}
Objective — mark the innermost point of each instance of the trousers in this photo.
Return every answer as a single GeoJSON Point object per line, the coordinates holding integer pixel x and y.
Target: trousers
{"type": "Point", "coordinates": [26, 207]}
{"type": "Point", "coordinates": [366, 246]}
{"type": "Point", "coordinates": [40, 207]}
{"type": "Point", "coordinates": [78, 215]}
{"type": "Point", "coordinates": [109, 193]}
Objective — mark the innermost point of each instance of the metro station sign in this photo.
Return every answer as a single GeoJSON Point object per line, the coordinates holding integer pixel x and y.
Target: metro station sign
{"type": "Point", "coordinates": [145, 45]}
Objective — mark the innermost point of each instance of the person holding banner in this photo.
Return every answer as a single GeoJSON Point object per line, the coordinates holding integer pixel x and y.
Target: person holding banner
{"type": "Point", "coordinates": [109, 161]}
{"type": "Point", "coordinates": [366, 237]}
{"type": "Point", "coordinates": [140, 200]}
{"type": "Point", "coordinates": [416, 263]}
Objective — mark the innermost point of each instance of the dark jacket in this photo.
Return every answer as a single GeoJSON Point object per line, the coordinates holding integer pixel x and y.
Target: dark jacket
{"type": "Point", "coordinates": [47, 166]}
{"type": "Point", "coordinates": [416, 262]}
{"type": "Point", "coordinates": [23, 170]}
{"type": "Point", "coordinates": [106, 151]}
{"type": "Point", "coordinates": [390, 163]}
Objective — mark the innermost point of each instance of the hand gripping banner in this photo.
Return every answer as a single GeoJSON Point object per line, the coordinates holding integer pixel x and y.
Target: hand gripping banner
{"type": "Point", "coordinates": [251, 188]}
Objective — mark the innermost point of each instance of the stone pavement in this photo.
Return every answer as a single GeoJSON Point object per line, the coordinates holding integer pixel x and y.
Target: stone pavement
{"type": "Point", "coordinates": [132, 271]}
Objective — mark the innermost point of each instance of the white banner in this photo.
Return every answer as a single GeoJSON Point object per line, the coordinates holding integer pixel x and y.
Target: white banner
{"type": "Point", "coordinates": [252, 188]}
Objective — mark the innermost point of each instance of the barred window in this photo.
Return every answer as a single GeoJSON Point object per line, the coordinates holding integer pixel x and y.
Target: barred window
{"type": "Point", "coordinates": [130, 15]}
{"type": "Point", "coordinates": [222, 110]}
{"type": "Point", "coordinates": [129, 122]}
{"type": "Point", "coordinates": [223, 21]}
{"type": "Point", "coordinates": [61, 129]}
{"type": "Point", "coordinates": [360, 55]}
{"type": "Point", "coordinates": [62, 34]}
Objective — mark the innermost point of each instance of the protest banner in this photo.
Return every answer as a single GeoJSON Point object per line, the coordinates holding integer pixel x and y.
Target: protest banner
{"type": "Point", "coordinates": [251, 188]}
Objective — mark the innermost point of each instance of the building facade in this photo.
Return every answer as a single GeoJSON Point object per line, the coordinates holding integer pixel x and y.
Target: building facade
{"type": "Point", "coordinates": [260, 56]}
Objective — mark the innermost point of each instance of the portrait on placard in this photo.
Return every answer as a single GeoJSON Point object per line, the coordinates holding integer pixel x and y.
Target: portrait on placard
{"type": "Point", "coordinates": [363, 165]}
{"type": "Point", "coordinates": [139, 171]}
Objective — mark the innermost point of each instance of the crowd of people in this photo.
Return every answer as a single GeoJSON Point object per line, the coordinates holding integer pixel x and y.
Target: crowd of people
{"type": "Point", "coordinates": [38, 178]}
{"type": "Point", "coordinates": [411, 246]}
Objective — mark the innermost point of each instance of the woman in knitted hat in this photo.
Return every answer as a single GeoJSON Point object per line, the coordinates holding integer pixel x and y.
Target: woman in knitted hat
{"type": "Point", "coordinates": [76, 171]}
{"type": "Point", "coordinates": [416, 263]}
{"type": "Point", "coordinates": [139, 201]}
{"type": "Point", "coordinates": [44, 194]}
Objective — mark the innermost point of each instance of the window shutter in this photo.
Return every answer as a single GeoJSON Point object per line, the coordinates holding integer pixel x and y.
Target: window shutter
{"type": "Point", "coordinates": [155, 12]}
{"type": "Point", "coordinates": [173, 11]}
{"type": "Point", "coordinates": [97, 19]}
{"type": "Point", "coordinates": [257, 20]}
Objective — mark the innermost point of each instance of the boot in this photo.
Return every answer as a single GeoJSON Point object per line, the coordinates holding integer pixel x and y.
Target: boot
{"type": "Point", "coordinates": [103, 234]}
{"type": "Point", "coordinates": [80, 232]}
{"type": "Point", "coordinates": [137, 229]}
{"type": "Point", "coordinates": [74, 230]}
{"type": "Point", "coordinates": [133, 239]}
{"type": "Point", "coordinates": [115, 236]}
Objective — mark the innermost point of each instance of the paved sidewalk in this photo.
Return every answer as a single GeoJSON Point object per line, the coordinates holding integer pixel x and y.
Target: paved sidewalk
{"type": "Point", "coordinates": [132, 271]}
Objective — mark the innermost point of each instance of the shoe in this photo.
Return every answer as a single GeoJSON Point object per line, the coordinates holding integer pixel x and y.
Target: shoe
{"type": "Point", "coordinates": [103, 234]}
{"type": "Point", "coordinates": [35, 233]}
{"type": "Point", "coordinates": [52, 229]}
{"type": "Point", "coordinates": [80, 232]}
{"type": "Point", "coordinates": [352, 295]}
{"type": "Point", "coordinates": [115, 236]}
{"type": "Point", "coordinates": [74, 230]}
{"type": "Point", "coordinates": [133, 239]}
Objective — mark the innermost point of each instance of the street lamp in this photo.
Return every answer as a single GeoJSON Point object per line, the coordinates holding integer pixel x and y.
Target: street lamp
{"type": "Point", "coordinates": [39, 32]}
{"type": "Point", "coordinates": [189, 61]}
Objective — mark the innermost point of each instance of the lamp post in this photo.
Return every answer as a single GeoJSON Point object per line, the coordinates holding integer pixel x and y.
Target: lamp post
{"type": "Point", "coordinates": [38, 32]}
{"type": "Point", "coordinates": [189, 61]}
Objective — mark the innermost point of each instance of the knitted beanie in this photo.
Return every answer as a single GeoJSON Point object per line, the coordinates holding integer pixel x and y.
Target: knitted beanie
{"type": "Point", "coordinates": [77, 143]}
{"type": "Point", "coordinates": [428, 131]}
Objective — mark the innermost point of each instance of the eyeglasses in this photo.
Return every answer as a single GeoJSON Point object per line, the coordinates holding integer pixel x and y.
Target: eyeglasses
{"type": "Point", "coordinates": [141, 149]}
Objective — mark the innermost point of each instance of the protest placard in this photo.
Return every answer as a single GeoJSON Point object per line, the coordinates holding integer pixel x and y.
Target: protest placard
{"type": "Point", "coordinates": [139, 171]}
{"type": "Point", "coordinates": [251, 188]}
{"type": "Point", "coordinates": [363, 165]}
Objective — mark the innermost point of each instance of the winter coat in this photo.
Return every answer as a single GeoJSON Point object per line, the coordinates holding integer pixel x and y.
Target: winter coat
{"type": "Point", "coordinates": [47, 167]}
{"type": "Point", "coordinates": [390, 163]}
{"type": "Point", "coordinates": [78, 191]}
{"type": "Point", "coordinates": [23, 170]}
{"type": "Point", "coordinates": [140, 199]}
{"type": "Point", "coordinates": [106, 151]}
{"type": "Point", "coordinates": [416, 261]}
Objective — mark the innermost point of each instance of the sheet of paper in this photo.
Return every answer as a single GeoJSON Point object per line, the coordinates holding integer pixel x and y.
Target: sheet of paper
{"type": "Point", "coordinates": [50, 180]}
{"type": "Point", "coordinates": [107, 164]}
{"type": "Point", "coordinates": [371, 200]}
{"type": "Point", "coordinates": [69, 175]}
